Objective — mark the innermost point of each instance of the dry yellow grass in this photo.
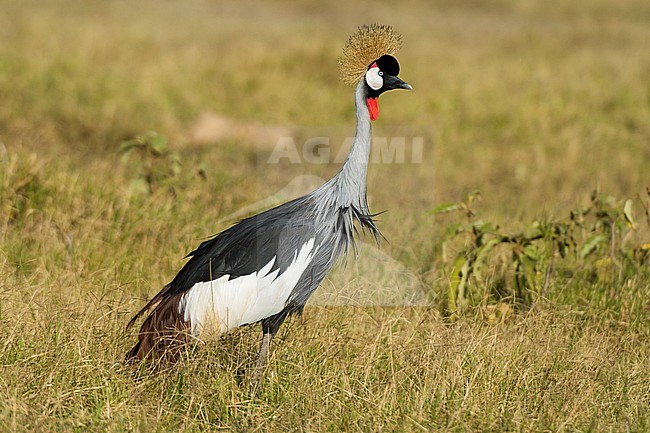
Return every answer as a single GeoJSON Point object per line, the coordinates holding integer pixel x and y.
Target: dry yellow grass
{"type": "Point", "coordinates": [533, 104]}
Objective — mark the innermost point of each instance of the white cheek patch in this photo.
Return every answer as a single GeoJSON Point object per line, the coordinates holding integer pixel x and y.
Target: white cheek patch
{"type": "Point", "coordinates": [374, 80]}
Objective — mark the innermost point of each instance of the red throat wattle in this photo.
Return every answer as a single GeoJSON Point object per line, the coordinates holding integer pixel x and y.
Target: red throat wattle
{"type": "Point", "coordinates": [373, 108]}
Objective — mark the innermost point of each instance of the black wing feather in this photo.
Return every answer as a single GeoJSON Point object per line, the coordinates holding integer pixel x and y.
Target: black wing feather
{"type": "Point", "coordinates": [243, 248]}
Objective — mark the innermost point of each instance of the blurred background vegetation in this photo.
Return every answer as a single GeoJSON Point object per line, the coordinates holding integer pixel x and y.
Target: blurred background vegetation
{"type": "Point", "coordinates": [534, 104]}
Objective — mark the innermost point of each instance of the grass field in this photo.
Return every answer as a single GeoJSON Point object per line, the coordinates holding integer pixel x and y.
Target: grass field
{"type": "Point", "coordinates": [535, 104]}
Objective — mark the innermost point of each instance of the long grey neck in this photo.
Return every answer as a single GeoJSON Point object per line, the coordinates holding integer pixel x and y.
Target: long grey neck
{"type": "Point", "coordinates": [350, 183]}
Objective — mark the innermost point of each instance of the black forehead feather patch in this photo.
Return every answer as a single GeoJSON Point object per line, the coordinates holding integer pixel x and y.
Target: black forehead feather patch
{"type": "Point", "coordinates": [388, 64]}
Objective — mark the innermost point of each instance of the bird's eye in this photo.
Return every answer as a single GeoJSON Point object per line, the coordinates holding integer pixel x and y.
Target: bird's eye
{"type": "Point", "coordinates": [381, 74]}
{"type": "Point", "coordinates": [374, 79]}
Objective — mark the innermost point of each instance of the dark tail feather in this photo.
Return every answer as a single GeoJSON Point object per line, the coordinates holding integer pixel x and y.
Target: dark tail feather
{"type": "Point", "coordinates": [133, 353]}
{"type": "Point", "coordinates": [163, 334]}
{"type": "Point", "coordinates": [156, 299]}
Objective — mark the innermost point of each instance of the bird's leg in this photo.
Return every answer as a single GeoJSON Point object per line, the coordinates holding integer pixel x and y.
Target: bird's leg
{"type": "Point", "coordinates": [264, 350]}
{"type": "Point", "coordinates": [270, 327]}
{"type": "Point", "coordinates": [261, 360]}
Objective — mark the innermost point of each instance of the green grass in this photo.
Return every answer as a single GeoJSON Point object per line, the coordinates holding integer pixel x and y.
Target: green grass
{"type": "Point", "coordinates": [535, 105]}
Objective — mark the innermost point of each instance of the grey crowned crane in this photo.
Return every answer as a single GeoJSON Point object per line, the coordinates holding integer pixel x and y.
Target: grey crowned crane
{"type": "Point", "coordinates": [265, 268]}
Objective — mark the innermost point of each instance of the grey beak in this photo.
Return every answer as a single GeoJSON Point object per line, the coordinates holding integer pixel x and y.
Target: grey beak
{"type": "Point", "coordinates": [391, 82]}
